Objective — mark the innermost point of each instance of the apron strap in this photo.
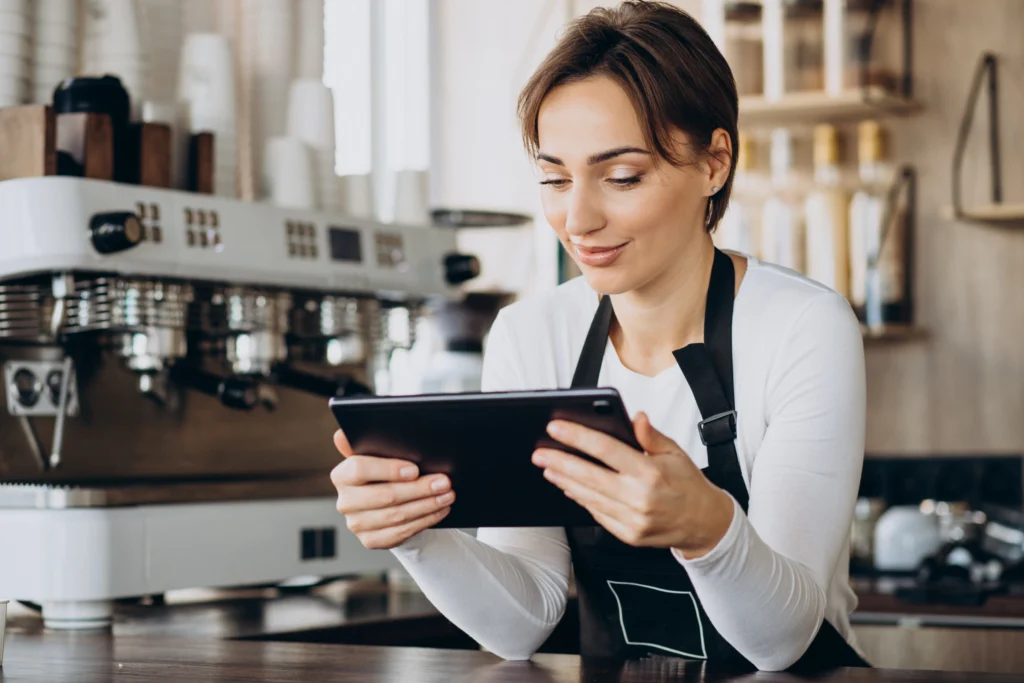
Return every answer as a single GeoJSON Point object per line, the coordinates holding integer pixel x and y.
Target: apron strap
{"type": "Point", "coordinates": [708, 371]}
{"type": "Point", "coordinates": [707, 368]}
{"type": "Point", "coordinates": [588, 369]}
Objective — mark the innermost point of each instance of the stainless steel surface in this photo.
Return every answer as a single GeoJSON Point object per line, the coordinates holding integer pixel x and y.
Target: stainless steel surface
{"type": "Point", "coordinates": [57, 497]}
{"type": "Point", "coordinates": [26, 308]}
{"type": "Point", "coordinates": [120, 437]}
{"type": "Point", "coordinates": [177, 381]}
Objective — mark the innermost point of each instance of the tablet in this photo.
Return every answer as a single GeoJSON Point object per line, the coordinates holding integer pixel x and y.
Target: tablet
{"type": "Point", "coordinates": [483, 442]}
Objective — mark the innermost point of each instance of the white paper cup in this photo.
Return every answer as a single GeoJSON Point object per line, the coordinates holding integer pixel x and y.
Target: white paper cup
{"type": "Point", "coordinates": [288, 173]}
{"type": "Point", "coordinates": [12, 69]}
{"type": "Point", "coordinates": [55, 34]}
{"type": "Point", "coordinates": [15, 23]}
{"type": "Point", "coordinates": [15, 46]}
{"type": "Point", "coordinates": [357, 195]}
{"type": "Point", "coordinates": [309, 56]}
{"type": "Point", "coordinates": [3, 628]}
{"type": "Point", "coordinates": [207, 75]}
{"type": "Point", "coordinates": [311, 113]}
{"type": "Point", "coordinates": [412, 197]}
{"type": "Point", "coordinates": [62, 12]}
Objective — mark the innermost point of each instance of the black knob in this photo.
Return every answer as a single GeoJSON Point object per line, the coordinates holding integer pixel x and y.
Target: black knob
{"type": "Point", "coordinates": [27, 387]}
{"type": "Point", "coordinates": [459, 268]}
{"type": "Point", "coordinates": [114, 232]}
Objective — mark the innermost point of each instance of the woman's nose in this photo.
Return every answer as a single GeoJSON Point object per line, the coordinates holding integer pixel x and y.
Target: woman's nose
{"type": "Point", "coordinates": [583, 212]}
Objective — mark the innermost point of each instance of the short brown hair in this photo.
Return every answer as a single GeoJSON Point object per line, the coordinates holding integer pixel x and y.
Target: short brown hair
{"type": "Point", "coordinates": [669, 67]}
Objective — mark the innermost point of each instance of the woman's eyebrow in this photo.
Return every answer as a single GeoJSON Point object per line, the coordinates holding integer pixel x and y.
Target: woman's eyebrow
{"type": "Point", "coordinates": [595, 158]}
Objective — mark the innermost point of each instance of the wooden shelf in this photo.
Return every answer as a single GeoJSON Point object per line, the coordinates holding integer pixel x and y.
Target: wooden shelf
{"type": "Point", "coordinates": [892, 334]}
{"type": "Point", "coordinates": [997, 214]}
{"type": "Point", "coordinates": [819, 107]}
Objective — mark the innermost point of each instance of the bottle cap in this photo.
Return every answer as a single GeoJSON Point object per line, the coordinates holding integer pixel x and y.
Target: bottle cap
{"type": "Point", "coordinates": [870, 146]}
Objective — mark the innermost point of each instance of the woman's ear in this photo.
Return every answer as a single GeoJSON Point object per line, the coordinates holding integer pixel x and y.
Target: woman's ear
{"type": "Point", "coordinates": [719, 160]}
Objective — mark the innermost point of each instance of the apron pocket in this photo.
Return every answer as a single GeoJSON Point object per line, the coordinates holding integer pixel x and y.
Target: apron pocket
{"type": "Point", "coordinates": [663, 619]}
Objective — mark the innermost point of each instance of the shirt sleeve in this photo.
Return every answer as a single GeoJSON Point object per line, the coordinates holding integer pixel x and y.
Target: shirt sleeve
{"type": "Point", "coordinates": [764, 585]}
{"type": "Point", "coordinates": [506, 588]}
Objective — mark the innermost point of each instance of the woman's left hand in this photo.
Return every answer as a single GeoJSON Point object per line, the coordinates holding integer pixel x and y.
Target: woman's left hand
{"type": "Point", "coordinates": [658, 498]}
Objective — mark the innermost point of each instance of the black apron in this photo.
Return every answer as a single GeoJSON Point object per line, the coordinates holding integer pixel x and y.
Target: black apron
{"type": "Point", "coordinates": [638, 602]}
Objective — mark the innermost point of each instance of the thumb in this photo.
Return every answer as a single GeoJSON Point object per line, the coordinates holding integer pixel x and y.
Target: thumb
{"type": "Point", "coordinates": [649, 438]}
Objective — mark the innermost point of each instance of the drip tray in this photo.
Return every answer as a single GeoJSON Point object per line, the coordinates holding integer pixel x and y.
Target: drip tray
{"type": "Point", "coordinates": [67, 495]}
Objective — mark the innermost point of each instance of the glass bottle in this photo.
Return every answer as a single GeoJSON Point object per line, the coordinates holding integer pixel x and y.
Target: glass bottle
{"type": "Point", "coordinates": [782, 223]}
{"type": "Point", "coordinates": [826, 213]}
{"type": "Point", "coordinates": [879, 259]}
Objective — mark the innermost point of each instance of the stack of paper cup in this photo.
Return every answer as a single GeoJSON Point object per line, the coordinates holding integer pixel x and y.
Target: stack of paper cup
{"type": "Point", "coordinates": [311, 120]}
{"type": "Point", "coordinates": [162, 31]}
{"type": "Point", "coordinates": [55, 48]}
{"type": "Point", "coordinates": [288, 178]}
{"type": "Point", "coordinates": [112, 45]}
{"type": "Point", "coordinates": [356, 192]}
{"type": "Point", "coordinates": [412, 197]}
{"type": "Point", "coordinates": [268, 60]}
{"type": "Point", "coordinates": [309, 31]}
{"type": "Point", "coordinates": [207, 84]}
{"type": "Point", "coordinates": [15, 51]}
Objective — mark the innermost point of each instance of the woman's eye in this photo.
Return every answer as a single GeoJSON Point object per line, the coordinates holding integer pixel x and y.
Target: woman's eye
{"type": "Point", "coordinates": [625, 182]}
{"type": "Point", "coordinates": [555, 182]}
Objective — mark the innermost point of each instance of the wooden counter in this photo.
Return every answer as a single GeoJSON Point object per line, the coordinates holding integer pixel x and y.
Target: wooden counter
{"type": "Point", "coordinates": [368, 613]}
{"type": "Point", "coordinates": [81, 658]}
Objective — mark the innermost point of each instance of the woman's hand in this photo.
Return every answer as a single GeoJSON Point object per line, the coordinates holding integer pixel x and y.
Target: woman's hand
{"type": "Point", "coordinates": [658, 498]}
{"type": "Point", "coordinates": [384, 500]}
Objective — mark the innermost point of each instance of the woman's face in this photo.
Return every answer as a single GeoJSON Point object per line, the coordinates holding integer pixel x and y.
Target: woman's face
{"type": "Point", "coordinates": [623, 214]}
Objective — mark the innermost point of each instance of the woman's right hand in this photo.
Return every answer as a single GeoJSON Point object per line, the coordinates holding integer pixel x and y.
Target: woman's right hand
{"type": "Point", "coordinates": [384, 500]}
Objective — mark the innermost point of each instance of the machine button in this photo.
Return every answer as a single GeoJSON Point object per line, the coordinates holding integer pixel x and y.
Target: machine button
{"type": "Point", "coordinates": [27, 387]}
{"type": "Point", "coordinates": [308, 550]}
{"type": "Point", "coordinates": [114, 232]}
{"type": "Point", "coordinates": [328, 544]}
{"type": "Point", "coordinates": [459, 268]}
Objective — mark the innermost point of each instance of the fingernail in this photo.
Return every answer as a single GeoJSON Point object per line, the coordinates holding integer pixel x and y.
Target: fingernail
{"type": "Point", "coordinates": [446, 498]}
{"type": "Point", "coordinates": [439, 484]}
{"type": "Point", "coordinates": [408, 472]}
{"type": "Point", "coordinates": [539, 460]}
{"type": "Point", "coordinates": [568, 494]}
{"type": "Point", "coordinates": [555, 429]}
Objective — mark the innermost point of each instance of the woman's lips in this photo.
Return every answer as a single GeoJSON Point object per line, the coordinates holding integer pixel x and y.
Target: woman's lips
{"type": "Point", "coordinates": [598, 256]}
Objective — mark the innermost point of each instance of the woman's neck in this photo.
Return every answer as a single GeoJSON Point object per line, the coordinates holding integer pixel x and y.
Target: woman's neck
{"type": "Point", "coordinates": [665, 314]}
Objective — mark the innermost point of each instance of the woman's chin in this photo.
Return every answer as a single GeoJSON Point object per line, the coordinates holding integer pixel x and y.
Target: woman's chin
{"type": "Point", "coordinates": [609, 281]}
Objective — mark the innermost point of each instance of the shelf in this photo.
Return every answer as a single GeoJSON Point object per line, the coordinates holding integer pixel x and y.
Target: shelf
{"type": "Point", "coordinates": [892, 334]}
{"type": "Point", "coordinates": [996, 214]}
{"type": "Point", "coordinates": [819, 107]}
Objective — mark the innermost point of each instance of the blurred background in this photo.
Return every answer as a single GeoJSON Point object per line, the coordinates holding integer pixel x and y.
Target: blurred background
{"type": "Point", "coordinates": [218, 213]}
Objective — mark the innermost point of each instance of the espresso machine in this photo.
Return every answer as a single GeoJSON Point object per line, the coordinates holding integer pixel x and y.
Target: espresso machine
{"type": "Point", "coordinates": [167, 360]}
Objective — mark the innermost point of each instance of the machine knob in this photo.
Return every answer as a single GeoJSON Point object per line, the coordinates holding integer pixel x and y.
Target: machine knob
{"type": "Point", "coordinates": [459, 268]}
{"type": "Point", "coordinates": [27, 388]}
{"type": "Point", "coordinates": [114, 232]}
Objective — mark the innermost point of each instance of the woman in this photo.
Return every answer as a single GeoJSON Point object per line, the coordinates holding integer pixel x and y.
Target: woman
{"type": "Point", "coordinates": [726, 539]}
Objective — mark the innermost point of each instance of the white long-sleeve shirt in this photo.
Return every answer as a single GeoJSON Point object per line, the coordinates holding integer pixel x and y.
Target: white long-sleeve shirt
{"type": "Point", "coordinates": [798, 366]}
